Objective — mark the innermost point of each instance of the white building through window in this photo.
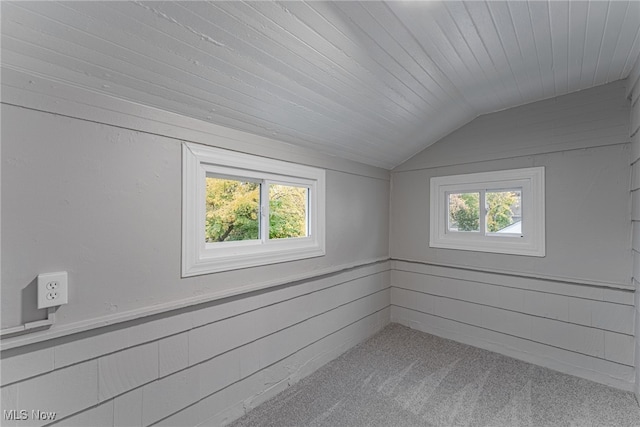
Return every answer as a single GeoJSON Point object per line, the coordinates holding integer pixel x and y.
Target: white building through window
{"type": "Point", "coordinates": [241, 210]}
{"type": "Point", "coordinates": [500, 211]}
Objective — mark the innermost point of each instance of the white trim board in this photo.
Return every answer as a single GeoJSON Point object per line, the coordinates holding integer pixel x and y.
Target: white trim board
{"type": "Point", "coordinates": [199, 257]}
{"type": "Point", "coordinates": [525, 275]}
{"type": "Point", "coordinates": [530, 241]}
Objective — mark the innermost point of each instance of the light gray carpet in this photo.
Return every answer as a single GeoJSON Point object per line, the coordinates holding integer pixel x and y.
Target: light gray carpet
{"type": "Point", "coordinates": [401, 377]}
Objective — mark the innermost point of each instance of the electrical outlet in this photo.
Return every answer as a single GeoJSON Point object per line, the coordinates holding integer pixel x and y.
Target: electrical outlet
{"type": "Point", "coordinates": [52, 289]}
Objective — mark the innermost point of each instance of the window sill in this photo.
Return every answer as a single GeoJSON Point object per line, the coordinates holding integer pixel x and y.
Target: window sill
{"type": "Point", "coordinates": [252, 258]}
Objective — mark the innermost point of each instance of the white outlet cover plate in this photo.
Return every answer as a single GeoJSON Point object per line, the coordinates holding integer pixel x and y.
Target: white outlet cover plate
{"type": "Point", "coordinates": [52, 289]}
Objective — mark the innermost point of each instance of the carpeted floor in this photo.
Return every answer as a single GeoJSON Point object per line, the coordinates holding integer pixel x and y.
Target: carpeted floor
{"type": "Point", "coordinates": [401, 377]}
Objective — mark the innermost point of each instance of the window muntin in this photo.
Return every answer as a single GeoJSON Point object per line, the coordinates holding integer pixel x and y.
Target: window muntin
{"type": "Point", "coordinates": [499, 211]}
{"type": "Point", "coordinates": [241, 210]}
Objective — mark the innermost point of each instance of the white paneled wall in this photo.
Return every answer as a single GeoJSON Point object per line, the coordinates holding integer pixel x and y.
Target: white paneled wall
{"type": "Point", "coordinates": [633, 90]}
{"type": "Point", "coordinates": [572, 310]}
{"type": "Point", "coordinates": [138, 344]}
{"type": "Point", "coordinates": [205, 366]}
{"type": "Point", "coordinates": [586, 331]}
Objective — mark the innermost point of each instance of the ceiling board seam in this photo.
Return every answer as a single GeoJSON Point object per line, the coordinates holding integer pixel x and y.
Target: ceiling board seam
{"type": "Point", "coordinates": [615, 47]}
{"type": "Point", "coordinates": [526, 70]}
{"type": "Point", "coordinates": [630, 60]}
{"type": "Point", "coordinates": [535, 45]}
{"type": "Point", "coordinates": [393, 59]}
{"type": "Point", "coordinates": [419, 81]}
{"type": "Point", "coordinates": [542, 33]}
{"type": "Point", "coordinates": [254, 75]}
{"type": "Point", "coordinates": [433, 62]}
{"type": "Point", "coordinates": [380, 66]}
{"type": "Point", "coordinates": [327, 58]}
{"type": "Point", "coordinates": [383, 67]}
{"type": "Point", "coordinates": [358, 80]}
{"type": "Point", "coordinates": [307, 137]}
{"type": "Point", "coordinates": [367, 138]}
{"type": "Point", "coordinates": [604, 31]}
{"type": "Point", "coordinates": [493, 22]}
{"type": "Point", "coordinates": [472, 51]}
{"type": "Point", "coordinates": [482, 41]}
{"type": "Point", "coordinates": [568, 45]}
{"type": "Point", "coordinates": [326, 87]}
{"type": "Point", "coordinates": [553, 65]}
{"type": "Point", "coordinates": [584, 44]}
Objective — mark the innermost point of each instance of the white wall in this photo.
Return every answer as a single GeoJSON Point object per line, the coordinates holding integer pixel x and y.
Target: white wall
{"type": "Point", "coordinates": [95, 192]}
{"type": "Point", "coordinates": [633, 92]}
{"type": "Point", "coordinates": [572, 310]}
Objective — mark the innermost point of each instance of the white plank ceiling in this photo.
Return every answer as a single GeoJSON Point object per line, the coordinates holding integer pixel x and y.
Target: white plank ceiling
{"type": "Point", "coordinates": [374, 82]}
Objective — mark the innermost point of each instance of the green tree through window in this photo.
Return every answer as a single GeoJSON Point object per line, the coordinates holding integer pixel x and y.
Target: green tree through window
{"type": "Point", "coordinates": [464, 211]}
{"type": "Point", "coordinates": [233, 210]}
{"type": "Point", "coordinates": [287, 211]}
{"type": "Point", "coordinates": [503, 209]}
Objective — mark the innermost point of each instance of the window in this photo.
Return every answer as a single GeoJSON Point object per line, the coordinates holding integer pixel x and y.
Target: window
{"type": "Point", "coordinates": [500, 211]}
{"type": "Point", "coordinates": [242, 211]}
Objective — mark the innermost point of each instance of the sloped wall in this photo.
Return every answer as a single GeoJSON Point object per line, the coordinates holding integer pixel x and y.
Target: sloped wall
{"type": "Point", "coordinates": [572, 310]}
{"type": "Point", "coordinates": [93, 186]}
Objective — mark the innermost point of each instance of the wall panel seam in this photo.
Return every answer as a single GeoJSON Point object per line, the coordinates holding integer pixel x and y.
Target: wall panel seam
{"type": "Point", "coordinates": [305, 346]}
{"type": "Point", "coordinates": [271, 364]}
{"type": "Point", "coordinates": [511, 335]}
{"type": "Point", "coordinates": [266, 367]}
{"type": "Point", "coordinates": [524, 313]}
{"type": "Point", "coordinates": [166, 308]}
{"type": "Point", "coordinates": [514, 287]}
{"type": "Point", "coordinates": [290, 326]}
{"type": "Point", "coordinates": [524, 275]}
{"type": "Point", "coordinates": [387, 288]}
{"type": "Point", "coordinates": [153, 129]}
{"type": "Point", "coordinates": [241, 313]}
{"type": "Point", "coordinates": [228, 385]}
{"type": "Point", "coordinates": [511, 157]}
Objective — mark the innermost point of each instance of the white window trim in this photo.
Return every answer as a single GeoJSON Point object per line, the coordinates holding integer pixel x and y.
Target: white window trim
{"type": "Point", "coordinates": [532, 241]}
{"type": "Point", "coordinates": [199, 257]}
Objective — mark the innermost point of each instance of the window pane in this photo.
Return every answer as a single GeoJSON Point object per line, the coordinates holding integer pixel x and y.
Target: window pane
{"type": "Point", "coordinates": [504, 211]}
{"type": "Point", "coordinates": [287, 211]}
{"type": "Point", "coordinates": [464, 212]}
{"type": "Point", "coordinates": [233, 208]}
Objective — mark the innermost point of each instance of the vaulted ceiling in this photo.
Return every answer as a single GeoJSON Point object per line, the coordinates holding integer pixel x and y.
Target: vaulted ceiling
{"type": "Point", "coordinates": [374, 82]}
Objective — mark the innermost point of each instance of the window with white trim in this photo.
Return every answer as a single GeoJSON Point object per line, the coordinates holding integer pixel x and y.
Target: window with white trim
{"type": "Point", "coordinates": [241, 210]}
{"type": "Point", "coordinates": [501, 211]}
